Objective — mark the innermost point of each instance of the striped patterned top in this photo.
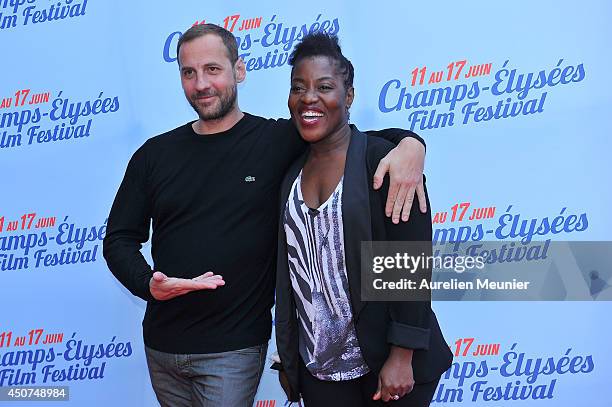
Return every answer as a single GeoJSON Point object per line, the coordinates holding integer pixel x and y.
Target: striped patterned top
{"type": "Point", "coordinates": [315, 248]}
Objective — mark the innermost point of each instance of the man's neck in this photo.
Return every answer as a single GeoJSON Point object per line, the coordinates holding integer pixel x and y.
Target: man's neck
{"type": "Point", "coordinates": [204, 127]}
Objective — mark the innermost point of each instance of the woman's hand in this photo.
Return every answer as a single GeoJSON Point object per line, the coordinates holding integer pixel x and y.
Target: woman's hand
{"type": "Point", "coordinates": [396, 378]}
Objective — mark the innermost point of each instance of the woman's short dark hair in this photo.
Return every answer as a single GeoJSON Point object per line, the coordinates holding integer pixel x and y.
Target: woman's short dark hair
{"type": "Point", "coordinates": [322, 44]}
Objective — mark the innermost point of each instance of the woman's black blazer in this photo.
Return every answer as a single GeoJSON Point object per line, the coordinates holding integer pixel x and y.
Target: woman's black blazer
{"type": "Point", "coordinates": [410, 324]}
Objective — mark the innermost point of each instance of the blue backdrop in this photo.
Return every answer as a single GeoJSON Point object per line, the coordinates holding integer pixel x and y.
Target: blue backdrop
{"type": "Point", "coordinates": [510, 97]}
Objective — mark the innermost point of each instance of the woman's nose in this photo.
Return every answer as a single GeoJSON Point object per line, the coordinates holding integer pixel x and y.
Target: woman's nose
{"type": "Point", "coordinates": [310, 96]}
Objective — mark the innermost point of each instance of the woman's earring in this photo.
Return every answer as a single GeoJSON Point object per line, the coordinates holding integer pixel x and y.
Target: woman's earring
{"type": "Point", "coordinates": [348, 115]}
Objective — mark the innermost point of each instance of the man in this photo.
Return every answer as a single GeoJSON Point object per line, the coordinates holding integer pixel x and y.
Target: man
{"type": "Point", "coordinates": [211, 188]}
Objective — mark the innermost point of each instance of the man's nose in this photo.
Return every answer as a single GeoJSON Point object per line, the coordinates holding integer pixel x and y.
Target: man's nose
{"type": "Point", "coordinates": [202, 82]}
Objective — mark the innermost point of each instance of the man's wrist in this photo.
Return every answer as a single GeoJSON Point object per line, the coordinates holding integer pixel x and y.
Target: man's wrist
{"type": "Point", "coordinates": [413, 142]}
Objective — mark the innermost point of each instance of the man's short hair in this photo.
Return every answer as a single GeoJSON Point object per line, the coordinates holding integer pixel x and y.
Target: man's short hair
{"type": "Point", "coordinates": [201, 30]}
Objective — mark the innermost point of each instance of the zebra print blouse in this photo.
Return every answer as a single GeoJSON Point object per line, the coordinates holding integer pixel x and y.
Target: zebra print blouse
{"type": "Point", "coordinates": [315, 248]}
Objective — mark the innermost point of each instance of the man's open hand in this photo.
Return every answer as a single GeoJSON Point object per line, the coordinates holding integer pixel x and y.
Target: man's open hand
{"type": "Point", "coordinates": [164, 288]}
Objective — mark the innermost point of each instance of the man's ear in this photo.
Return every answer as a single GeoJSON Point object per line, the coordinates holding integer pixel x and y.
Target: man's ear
{"type": "Point", "coordinates": [239, 70]}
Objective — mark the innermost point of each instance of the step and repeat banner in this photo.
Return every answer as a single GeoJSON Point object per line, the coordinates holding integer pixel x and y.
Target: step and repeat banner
{"type": "Point", "coordinates": [511, 98]}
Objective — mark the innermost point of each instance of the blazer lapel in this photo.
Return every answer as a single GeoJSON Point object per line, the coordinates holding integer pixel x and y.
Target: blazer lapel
{"type": "Point", "coordinates": [285, 314]}
{"type": "Point", "coordinates": [290, 177]}
{"type": "Point", "coordinates": [285, 308]}
{"type": "Point", "coordinates": [355, 213]}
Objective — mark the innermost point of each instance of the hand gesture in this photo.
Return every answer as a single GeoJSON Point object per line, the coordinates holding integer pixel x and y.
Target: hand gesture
{"type": "Point", "coordinates": [164, 288]}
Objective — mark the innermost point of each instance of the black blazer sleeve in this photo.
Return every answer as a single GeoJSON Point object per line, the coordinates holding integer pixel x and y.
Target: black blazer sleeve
{"type": "Point", "coordinates": [409, 325]}
{"type": "Point", "coordinates": [395, 135]}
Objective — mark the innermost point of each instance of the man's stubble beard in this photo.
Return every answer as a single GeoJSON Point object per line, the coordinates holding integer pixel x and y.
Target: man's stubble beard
{"type": "Point", "coordinates": [227, 102]}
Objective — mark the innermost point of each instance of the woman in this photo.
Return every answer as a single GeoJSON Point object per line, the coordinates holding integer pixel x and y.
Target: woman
{"type": "Point", "coordinates": [336, 349]}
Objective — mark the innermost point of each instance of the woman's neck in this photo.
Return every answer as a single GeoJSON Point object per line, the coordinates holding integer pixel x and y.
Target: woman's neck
{"type": "Point", "coordinates": [332, 145]}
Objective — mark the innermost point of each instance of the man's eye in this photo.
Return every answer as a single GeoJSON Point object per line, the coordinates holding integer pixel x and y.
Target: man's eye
{"type": "Point", "coordinates": [188, 73]}
{"type": "Point", "coordinates": [213, 68]}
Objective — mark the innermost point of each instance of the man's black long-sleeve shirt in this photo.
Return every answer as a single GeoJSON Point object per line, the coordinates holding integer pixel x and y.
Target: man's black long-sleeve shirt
{"type": "Point", "coordinates": [213, 203]}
